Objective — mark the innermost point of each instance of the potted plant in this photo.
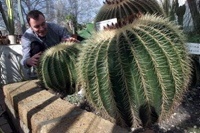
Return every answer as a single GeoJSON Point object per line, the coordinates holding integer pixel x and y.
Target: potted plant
{"type": "Point", "coordinates": [9, 20]}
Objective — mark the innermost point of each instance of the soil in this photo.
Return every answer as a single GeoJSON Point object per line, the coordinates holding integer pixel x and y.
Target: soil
{"type": "Point", "coordinates": [185, 119]}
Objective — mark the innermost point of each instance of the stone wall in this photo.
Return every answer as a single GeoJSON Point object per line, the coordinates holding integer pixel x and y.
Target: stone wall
{"type": "Point", "coordinates": [35, 110]}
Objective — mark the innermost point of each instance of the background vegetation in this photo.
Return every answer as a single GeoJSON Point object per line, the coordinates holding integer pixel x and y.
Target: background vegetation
{"type": "Point", "coordinates": [69, 13]}
{"type": "Point", "coordinates": [75, 14]}
{"type": "Point", "coordinates": [187, 16]}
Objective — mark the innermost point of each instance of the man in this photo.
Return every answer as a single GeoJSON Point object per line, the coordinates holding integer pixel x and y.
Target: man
{"type": "Point", "coordinates": [39, 36]}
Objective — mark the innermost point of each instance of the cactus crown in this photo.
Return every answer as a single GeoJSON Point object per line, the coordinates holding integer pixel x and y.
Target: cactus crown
{"type": "Point", "coordinates": [126, 21]}
{"type": "Point", "coordinates": [127, 10]}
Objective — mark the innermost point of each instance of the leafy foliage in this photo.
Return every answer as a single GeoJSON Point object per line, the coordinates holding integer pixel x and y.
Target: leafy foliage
{"type": "Point", "coordinates": [87, 31]}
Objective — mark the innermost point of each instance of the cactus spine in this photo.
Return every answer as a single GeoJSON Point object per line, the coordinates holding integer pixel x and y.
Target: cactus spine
{"type": "Point", "coordinates": [57, 68]}
{"type": "Point", "coordinates": [141, 67]}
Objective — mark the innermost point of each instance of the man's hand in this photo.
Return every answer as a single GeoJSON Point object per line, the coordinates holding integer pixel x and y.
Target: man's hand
{"type": "Point", "coordinates": [70, 39]}
{"type": "Point", "coordinates": [33, 61]}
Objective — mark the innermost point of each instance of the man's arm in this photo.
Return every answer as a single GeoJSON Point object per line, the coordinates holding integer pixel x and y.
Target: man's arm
{"type": "Point", "coordinates": [31, 54]}
{"type": "Point", "coordinates": [66, 36]}
{"type": "Point", "coordinates": [61, 31]}
{"type": "Point", "coordinates": [25, 51]}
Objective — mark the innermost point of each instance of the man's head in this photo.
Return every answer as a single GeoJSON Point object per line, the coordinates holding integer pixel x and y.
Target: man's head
{"type": "Point", "coordinates": [37, 22]}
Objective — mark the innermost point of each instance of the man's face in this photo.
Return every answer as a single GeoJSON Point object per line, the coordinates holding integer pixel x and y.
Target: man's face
{"type": "Point", "coordinates": [39, 26]}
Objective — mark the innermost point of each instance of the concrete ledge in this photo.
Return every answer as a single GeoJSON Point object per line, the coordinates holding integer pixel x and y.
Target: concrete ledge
{"type": "Point", "coordinates": [38, 111]}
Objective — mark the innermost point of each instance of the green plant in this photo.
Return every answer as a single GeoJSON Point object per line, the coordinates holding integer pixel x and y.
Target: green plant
{"type": "Point", "coordinates": [169, 7]}
{"type": "Point", "coordinates": [57, 68]}
{"type": "Point", "coordinates": [1, 131]}
{"type": "Point", "coordinates": [9, 17]}
{"type": "Point", "coordinates": [126, 9]}
{"type": "Point", "coordinates": [193, 37]}
{"type": "Point", "coordinates": [88, 31]}
{"type": "Point", "coordinates": [21, 18]}
{"type": "Point", "coordinates": [71, 23]}
{"type": "Point", "coordinates": [136, 73]}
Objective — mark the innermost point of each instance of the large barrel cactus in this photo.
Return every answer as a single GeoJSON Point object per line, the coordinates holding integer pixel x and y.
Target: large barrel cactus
{"type": "Point", "coordinates": [57, 68]}
{"type": "Point", "coordinates": [136, 73]}
{"type": "Point", "coordinates": [127, 9]}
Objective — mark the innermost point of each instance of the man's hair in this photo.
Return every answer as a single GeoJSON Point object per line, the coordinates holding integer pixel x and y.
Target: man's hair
{"type": "Point", "coordinates": [34, 14]}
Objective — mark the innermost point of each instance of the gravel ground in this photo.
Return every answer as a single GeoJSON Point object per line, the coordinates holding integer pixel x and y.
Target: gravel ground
{"type": "Point", "coordinates": [186, 118]}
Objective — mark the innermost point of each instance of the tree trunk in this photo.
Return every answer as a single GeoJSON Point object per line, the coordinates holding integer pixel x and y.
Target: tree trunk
{"type": "Point", "coordinates": [195, 15]}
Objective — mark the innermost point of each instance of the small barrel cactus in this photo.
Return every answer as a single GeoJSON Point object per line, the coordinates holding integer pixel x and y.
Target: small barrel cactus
{"type": "Point", "coordinates": [136, 73]}
{"type": "Point", "coordinates": [57, 68]}
{"type": "Point", "coordinates": [125, 10]}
